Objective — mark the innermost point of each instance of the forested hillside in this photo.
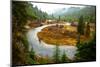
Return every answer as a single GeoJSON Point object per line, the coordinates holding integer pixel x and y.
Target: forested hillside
{"type": "Point", "coordinates": [35, 12]}
{"type": "Point", "coordinates": [21, 12]}
{"type": "Point", "coordinates": [73, 13]}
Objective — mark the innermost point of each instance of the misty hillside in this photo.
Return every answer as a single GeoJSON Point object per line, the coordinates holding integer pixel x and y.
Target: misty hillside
{"type": "Point", "coordinates": [64, 11]}
{"type": "Point", "coordinates": [60, 11]}
{"type": "Point", "coordinates": [73, 13]}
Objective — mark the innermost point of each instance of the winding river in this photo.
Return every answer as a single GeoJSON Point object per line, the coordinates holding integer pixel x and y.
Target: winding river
{"type": "Point", "coordinates": [43, 49]}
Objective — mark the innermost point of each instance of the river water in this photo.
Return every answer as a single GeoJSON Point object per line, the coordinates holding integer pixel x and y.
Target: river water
{"type": "Point", "coordinates": [43, 49]}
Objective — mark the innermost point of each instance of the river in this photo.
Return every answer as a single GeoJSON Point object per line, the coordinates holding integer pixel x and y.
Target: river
{"type": "Point", "coordinates": [43, 49]}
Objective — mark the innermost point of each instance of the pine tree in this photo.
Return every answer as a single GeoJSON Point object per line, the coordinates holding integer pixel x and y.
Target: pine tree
{"type": "Point", "coordinates": [64, 58]}
{"type": "Point", "coordinates": [56, 56]}
{"type": "Point", "coordinates": [86, 51]}
{"type": "Point", "coordinates": [59, 18]}
{"type": "Point", "coordinates": [31, 57]}
{"type": "Point", "coordinates": [81, 24]}
{"type": "Point", "coordinates": [32, 54]}
{"type": "Point", "coordinates": [87, 32]}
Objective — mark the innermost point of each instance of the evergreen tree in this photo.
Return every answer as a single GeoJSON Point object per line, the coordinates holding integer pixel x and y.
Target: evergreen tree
{"type": "Point", "coordinates": [86, 51]}
{"type": "Point", "coordinates": [56, 56]}
{"type": "Point", "coordinates": [31, 57]}
{"type": "Point", "coordinates": [32, 54]}
{"type": "Point", "coordinates": [81, 26]}
{"type": "Point", "coordinates": [87, 32]}
{"type": "Point", "coordinates": [64, 58]}
{"type": "Point", "coordinates": [59, 18]}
